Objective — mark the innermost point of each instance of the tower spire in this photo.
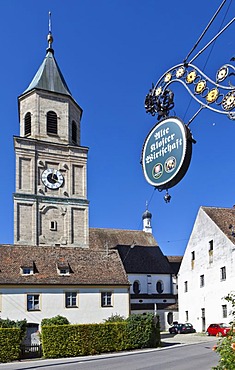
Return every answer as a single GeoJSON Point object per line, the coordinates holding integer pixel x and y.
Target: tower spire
{"type": "Point", "coordinates": [49, 76]}
{"type": "Point", "coordinates": [49, 36]}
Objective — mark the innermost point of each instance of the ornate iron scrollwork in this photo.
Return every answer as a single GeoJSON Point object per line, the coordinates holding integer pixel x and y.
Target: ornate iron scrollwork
{"type": "Point", "coordinates": [208, 93]}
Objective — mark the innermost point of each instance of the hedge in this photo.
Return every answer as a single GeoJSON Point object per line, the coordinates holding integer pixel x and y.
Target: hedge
{"type": "Point", "coordinates": [138, 331]}
{"type": "Point", "coordinates": [10, 340]}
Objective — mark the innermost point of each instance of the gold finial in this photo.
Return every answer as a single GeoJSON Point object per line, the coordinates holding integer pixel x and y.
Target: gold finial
{"type": "Point", "coordinates": [49, 37]}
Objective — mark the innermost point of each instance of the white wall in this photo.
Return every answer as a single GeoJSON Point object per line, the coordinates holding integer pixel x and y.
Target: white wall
{"type": "Point", "coordinates": [13, 304]}
{"type": "Point", "coordinates": [210, 297]}
{"type": "Point", "coordinates": [142, 278]}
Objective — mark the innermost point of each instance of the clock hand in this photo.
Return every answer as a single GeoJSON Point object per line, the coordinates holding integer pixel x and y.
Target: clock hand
{"type": "Point", "coordinates": [54, 175]}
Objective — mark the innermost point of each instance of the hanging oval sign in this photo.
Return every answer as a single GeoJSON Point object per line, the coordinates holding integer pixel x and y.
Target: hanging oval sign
{"type": "Point", "coordinates": [166, 153]}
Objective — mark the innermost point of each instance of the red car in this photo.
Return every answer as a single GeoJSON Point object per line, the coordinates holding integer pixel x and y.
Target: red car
{"type": "Point", "coordinates": [220, 330]}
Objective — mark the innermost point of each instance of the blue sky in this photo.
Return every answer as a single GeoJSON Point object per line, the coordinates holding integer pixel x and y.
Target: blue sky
{"type": "Point", "coordinates": [110, 52]}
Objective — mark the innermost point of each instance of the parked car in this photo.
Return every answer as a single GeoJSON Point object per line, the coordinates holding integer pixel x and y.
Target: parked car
{"type": "Point", "coordinates": [182, 328]}
{"type": "Point", "coordinates": [220, 330]}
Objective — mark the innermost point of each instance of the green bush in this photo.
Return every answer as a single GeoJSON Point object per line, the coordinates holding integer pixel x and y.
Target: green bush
{"type": "Point", "coordinates": [138, 331]}
{"type": "Point", "coordinates": [143, 331]}
{"type": "Point", "coordinates": [226, 346]}
{"type": "Point", "coordinates": [56, 320]}
{"type": "Point", "coordinates": [10, 340]}
{"type": "Point", "coordinates": [21, 324]}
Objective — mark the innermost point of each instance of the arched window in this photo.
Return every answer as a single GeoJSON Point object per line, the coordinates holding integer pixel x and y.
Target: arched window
{"type": "Point", "coordinates": [27, 124]}
{"type": "Point", "coordinates": [160, 286]}
{"type": "Point", "coordinates": [170, 318]}
{"type": "Point", "coordinates": [74, 132]}
{"type": "Point", "coordinates": [136, 287]}
{"type": "Point", "coordinates": [51, 123]}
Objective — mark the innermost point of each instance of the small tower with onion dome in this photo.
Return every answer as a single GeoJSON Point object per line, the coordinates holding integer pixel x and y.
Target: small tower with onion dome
{"type": "Point", "coordinates": [146, 217]}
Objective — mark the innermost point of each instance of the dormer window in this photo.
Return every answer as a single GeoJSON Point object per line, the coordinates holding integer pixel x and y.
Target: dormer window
{"type": "Point", "coordinates": [64, 269]}
{"type": "Point", "coordinates": [27, 124]}
{"type": "Point", "coordinates": [52, 123]}
{"type": "Point", "coordinates": [27, 270]}
{"type": "Point", "coordinates": [74, 132]}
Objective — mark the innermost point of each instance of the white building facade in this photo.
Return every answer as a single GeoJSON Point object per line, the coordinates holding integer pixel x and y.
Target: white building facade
{"type": "Point", "coordinates": [207, 272]}
{"type": "Point", "coordinates": [79, 304]}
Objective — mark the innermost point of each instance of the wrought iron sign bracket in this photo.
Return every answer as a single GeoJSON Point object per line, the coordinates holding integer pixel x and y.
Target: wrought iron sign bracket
{"type": "Point", "coordinates": [211, 94]}
{"type": "Point", "coordinates": [167, 149]}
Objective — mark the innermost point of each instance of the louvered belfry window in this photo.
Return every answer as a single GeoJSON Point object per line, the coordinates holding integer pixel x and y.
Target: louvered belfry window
{"type": "Point", "coordinates": [27, 124]}
{"type": "Point", "coordinates": [51, 123]}
{"type": "Point", "coordinates": [74, 132]}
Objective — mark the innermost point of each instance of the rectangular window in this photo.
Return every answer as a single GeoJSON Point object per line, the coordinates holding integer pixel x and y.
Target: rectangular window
{"type": "Point", "coordinates": [63, 271]}
{"type": "Point", "coordinates": [26, 270]}
{"type": "Point", "coordinates": [192, 259]}
{"type": "Point", "coordinates": [185, 286]}
{"type": "Point", "coordinates": [224, 311]}
{"type": "Point", "coordinates": [71, 299]}
{"type": "Point", "coordinates": [211, 247]}
{"type": "Point", "coordinates": [33, 302]}
{"type": "Point", "coordinates": [106, 299]}
{"type": "Point", "coordinates": [186, 315]}
{"type": "Point", "coordinates": [223, 273]}
{"type": "Point", "coordinates": [149, 284]}
{"type": "Point", "coordinates": [53, 225]}
{"type": "Point", "coordinates": [202, 281]}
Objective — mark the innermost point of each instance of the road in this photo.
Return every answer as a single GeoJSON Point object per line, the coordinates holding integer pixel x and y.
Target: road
{"type": "Point", "coordinates": [176, 354]}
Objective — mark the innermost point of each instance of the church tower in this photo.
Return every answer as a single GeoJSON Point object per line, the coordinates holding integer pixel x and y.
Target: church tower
{"type": "Point", "coordinates": [50, 202]}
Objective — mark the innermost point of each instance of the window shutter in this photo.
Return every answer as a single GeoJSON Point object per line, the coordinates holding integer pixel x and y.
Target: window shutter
{"type": "Point", "coordinates": [27, 124]}
{"type": "Point", "coordinates": [51, 123]}
{"type": "Point", "coordinates": [74, 132]}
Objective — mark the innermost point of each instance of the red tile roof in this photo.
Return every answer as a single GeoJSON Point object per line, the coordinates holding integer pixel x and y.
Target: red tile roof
{"type": "Point", "coordinates": [87, 267]}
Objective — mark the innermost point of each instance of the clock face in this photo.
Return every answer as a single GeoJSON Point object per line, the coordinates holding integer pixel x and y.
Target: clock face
{"type": "Point", "coordinates": [52, 178]}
